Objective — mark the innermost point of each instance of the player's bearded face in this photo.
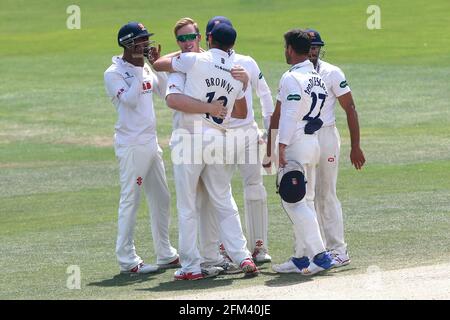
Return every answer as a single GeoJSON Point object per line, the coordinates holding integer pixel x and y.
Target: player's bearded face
{"type": "Point", "coordinates": [314, 53]}
{"type": "Point", "coordinates": [287, 54]}
{"type": "Point", "coordinates": [139, 46]}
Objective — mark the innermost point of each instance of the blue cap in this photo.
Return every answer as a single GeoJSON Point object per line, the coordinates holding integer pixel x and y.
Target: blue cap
{"type": "Point", "coordinates": [224, 34]}
{"type": "Point", "coordinates": [131, 31]}
{"type": "Point", "coordinates": [216, 20]}
{"type": "Point", "coordinates": [316, 40]}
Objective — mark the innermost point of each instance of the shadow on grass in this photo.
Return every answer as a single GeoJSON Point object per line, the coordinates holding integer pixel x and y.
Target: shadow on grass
{"type": "Point", "coordinates": [208, 283]}
{"type": "Point", "coordinates": [290, 279]}
{"type": "Point", "coordinates": [120, 280]}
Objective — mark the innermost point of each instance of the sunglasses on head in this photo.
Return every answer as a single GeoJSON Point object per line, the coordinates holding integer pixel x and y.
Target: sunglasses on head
{"type": "Point", "coordinates": [187, 37]}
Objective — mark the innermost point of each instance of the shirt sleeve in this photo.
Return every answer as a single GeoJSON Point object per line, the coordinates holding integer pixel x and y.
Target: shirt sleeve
{"type": "Point", "coordinates": [184, 62]}
{"type": "Point", "coordinates": [278, 98]}
{"type": "Point", "coordinates": [291, 108]}
{"type": "Point", "coordinates": [241, 93]}
{"type": "Point", "coordinates": [339, 84]}
{"type": "Point", "coordinates": [120, 92]}
{"type": "Point", "coordinates": [175, 83]}
{"type": "Point", "coordinates": [262, 90]}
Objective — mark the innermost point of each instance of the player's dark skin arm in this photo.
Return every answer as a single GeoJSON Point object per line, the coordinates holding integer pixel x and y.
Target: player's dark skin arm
{"type": "Point", "coordinates": [356, 154]}
{"type": "Point", "coordinates": [239, 109]}
{"type": "Point", "coordinates": [274, 124]}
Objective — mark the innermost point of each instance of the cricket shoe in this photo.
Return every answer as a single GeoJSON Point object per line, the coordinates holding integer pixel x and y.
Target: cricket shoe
{"type": "Point", "coordinates": [173, 264]}
{"type": "Point", "coordinates": [142, 268]}
{"type": "Point", "coordinates": [293, 265]}
{"type": "Point", "coordinates": [206, 272]}
{"type": "Point", "coordinates": [260, 253]}
{"type": "Point", "coordinates": [249, 267]}
{"type": "Point", "coordinates": [339, 259]}
{"type": "Point", "coordinates": [321, 262]}
{"type": "Point", "coordinates": [228, 267]}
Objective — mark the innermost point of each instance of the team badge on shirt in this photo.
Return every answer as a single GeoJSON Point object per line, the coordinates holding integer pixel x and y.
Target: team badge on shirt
{"type": "Point", "coordinates": [295, 97]}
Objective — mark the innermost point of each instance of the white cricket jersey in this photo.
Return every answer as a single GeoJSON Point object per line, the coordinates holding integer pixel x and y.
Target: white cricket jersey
{"type": "Point", "coordinates": [302, 92]}
{"type": "Point", "coordinates": [208, 79]}
{"type": "Point", "coordinates": [175, 84]}
{"type": "Point", "coordinates": [258, 83]}
{"type": "Point", "coordinates": [131, 91]}
{"type": "Point", "coordinates": [337, 86]}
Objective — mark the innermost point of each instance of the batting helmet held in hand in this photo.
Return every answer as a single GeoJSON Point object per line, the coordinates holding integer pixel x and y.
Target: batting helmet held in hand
{"type": "Point", "coordinates": [291, 183]}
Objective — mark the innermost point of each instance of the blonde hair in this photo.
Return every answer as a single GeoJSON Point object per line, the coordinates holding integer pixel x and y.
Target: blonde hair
{"type": "Point", "coordinates": [184, 22]}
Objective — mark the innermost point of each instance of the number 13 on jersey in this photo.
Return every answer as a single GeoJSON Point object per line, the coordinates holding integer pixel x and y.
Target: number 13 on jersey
{"type": "Point", "coordinates": [210, 96]}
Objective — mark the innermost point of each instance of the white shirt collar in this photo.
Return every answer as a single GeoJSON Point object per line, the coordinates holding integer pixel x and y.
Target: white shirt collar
{"type": "Point", "coordinates": [221, 52]}
{"type": "Point", "coordinates": [121, 62]}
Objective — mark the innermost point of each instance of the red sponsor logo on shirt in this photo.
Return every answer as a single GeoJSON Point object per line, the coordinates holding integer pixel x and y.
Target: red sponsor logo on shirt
{"type": "Point", "coordinates": [146, 85]}
{"type": "Point", "coordinates": [139, 181]}
{"type": "Point", "coordinates": [331, 159]}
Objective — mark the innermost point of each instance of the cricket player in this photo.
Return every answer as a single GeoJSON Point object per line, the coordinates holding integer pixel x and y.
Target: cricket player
{"type": "Point", "coordinates": [130, 83]}
{"type": "Point", "coordinates": [248, 163]}
{"type": "Point", "coordinates": [188, 39]}
{"type": "Point", "coordinates": [302, 92]}
{"type": "Point", "coordinates": [208, 79]}
{"type": "Point", "coordinates": [328, 207]}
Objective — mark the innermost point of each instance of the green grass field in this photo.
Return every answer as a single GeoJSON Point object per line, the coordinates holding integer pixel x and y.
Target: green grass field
{"type": "Point", "coordinates": [59, 186]}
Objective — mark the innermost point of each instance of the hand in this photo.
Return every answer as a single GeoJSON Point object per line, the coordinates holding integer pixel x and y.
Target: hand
{"type": "Point", "coordinates": [240, 74]}
{"type": "Point", "coordinates": [267, 161]}
{"type": "Point", "coordinates": [153, 54]}
{"type": "Point", "coordinates": [217, 109]}
{"type": "Point", "coordinates": [262, 137]}
{"type": "Point", "coordinates": [357, 157]}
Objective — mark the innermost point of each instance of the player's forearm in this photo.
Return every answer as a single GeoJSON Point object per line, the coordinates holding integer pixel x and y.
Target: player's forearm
{"type": "Point", "coordinates": [274, 124]}
{"type": "Point", "coordinates": [275, 118]}
{"type": "Point", "coordinates": [353, 126]}
{"type": "Point", "coordinates": [184, 103]}
{"type": "Point", "coordinates": [267, 106]}
{"type": "Point", "coordinates": [346, 102]}
{"type": "Point", "coordinates": [165, 62]}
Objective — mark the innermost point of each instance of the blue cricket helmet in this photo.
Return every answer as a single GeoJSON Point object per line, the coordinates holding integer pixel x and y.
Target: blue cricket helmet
{"type": "Point", "coordinates": [130, 32]}
{"type": "Point", "coordinates": [316, 40]}
{"type": "Point", "coordinates": [216, 20]}
{"type": "Point", "coordinates": [291, 182]}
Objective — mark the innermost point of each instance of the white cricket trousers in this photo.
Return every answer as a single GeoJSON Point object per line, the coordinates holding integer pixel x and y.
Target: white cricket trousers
{"type": "Point", "coordinates": [217, 183]}
{"type": "Point", "coordinates": [328, 207]}
{"type": "Point", "coordinates": [308, 241]}
{"type": "Point", "coordinates": [248, 162]}
{"type": "Point", "coordinates": [141, 166]}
